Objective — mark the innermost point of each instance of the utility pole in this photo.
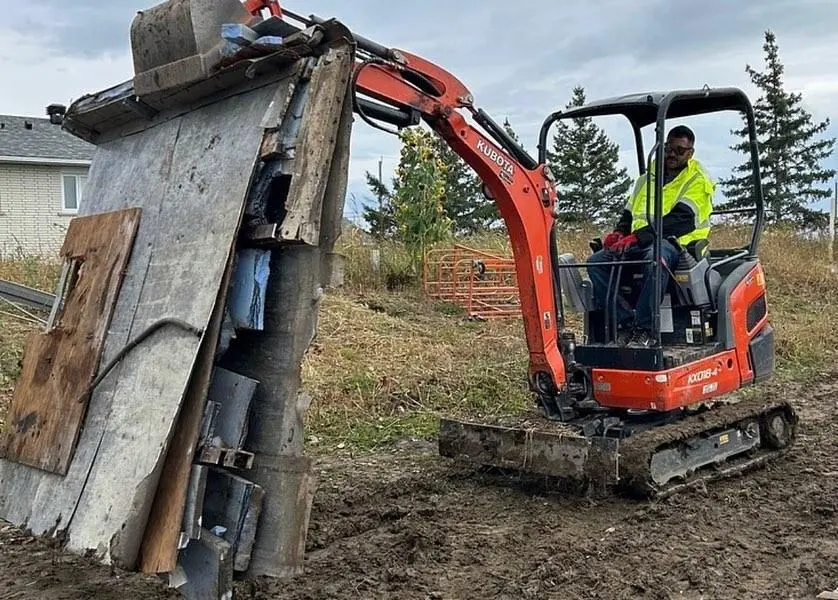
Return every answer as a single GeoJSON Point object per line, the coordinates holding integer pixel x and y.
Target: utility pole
{"type": "Point", "coordinates": [833, 210]}
{"type": "Point", "coordinates": [381, 180]}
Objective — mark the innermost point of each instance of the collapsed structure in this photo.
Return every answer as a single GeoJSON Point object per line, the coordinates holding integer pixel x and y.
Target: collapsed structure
{"type": "Point", "coordinates": [158, 420]}
{"type": "Point", "coordinates": [220, 172]}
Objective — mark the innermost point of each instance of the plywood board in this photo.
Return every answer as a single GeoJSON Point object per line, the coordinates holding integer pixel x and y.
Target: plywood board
{"type": "Point", "coordinates": [159, 543]}
{"type": "Point", "coordinates": [190, 174]}
{"type": "Point", "coordinates": [60, 364]}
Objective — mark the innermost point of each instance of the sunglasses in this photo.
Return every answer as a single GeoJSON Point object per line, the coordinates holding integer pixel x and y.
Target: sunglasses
{"type": "Point", "coordinates": [677, 150]}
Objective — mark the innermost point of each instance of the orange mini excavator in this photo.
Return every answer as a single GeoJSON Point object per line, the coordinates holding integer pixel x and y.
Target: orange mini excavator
{"type": "Point", "coordinates": [647, 420]}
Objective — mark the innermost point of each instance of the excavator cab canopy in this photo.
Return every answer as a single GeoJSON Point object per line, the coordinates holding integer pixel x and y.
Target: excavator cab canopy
{"type": "Point", "coordinates": [654, 108]}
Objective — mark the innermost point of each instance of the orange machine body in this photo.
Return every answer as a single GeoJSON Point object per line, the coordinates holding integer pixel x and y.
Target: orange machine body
{"type": "Point", "coordinates": [697, 381]}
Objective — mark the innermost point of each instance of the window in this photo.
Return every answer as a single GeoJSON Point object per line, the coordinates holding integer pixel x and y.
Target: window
{"type": "Point", "coordinates": [72, 190]}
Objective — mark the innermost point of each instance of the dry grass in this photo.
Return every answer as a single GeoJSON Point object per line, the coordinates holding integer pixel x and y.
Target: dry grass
{"type": "Point", "coordinates": [376, 376]}
{"type": "Point", "coordinates": [386, 363]}
{"type": "Point", "coordinates": [34, 273]}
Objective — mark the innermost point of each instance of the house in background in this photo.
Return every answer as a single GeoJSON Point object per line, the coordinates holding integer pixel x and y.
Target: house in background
{"type": "Point", "coordinates": [43, 170]}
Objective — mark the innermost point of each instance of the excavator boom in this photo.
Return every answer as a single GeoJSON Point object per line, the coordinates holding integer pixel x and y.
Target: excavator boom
{"type": "Point", "coordinates": [523, 190]}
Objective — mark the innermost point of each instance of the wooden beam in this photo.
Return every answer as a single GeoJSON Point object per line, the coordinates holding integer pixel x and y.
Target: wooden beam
{"type": "Point", "coordinates": [60, 364]}
{"type": "Point", "coordinates": [315, 145]}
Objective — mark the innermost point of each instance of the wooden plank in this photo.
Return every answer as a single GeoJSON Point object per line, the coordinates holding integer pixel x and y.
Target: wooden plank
{"type": "Point", "coordinates": [42, 502]}
{"type": "Point", "coordinates": [190, 174]}
{"type": "Point", "coordinates": [60, 364]}
{"type": "Point", "coordinates": [316, 145]}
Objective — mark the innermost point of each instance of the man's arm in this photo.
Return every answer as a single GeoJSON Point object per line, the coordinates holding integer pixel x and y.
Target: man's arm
{"type": "Point", "coordinates": [683, 218]}
{"type": "Point", "coordinates": [624, 224]}
{"type": "Point", "coordinates": [679, 221]}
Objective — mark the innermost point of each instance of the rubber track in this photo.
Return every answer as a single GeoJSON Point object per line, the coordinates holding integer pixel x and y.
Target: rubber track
{"type": "Point", "coordinates": [636, 451]}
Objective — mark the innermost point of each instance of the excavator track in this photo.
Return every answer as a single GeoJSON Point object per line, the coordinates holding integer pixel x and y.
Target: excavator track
{"type": "Point", "coordinates": [721, 442]}
{"type": "Point", "coordinates": [650, 462]}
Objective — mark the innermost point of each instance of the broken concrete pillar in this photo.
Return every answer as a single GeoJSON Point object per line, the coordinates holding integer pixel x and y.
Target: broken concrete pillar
{"type": "Point", "coordinates": [273, 357]}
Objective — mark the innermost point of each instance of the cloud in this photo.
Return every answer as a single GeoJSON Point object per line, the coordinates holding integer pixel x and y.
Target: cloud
{"type": "Point", "coordinates": [521, 59]}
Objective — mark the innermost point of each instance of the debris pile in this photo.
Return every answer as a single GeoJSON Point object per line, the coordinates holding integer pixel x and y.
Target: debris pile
{"type": "Point", "coordinates": [158, 420]}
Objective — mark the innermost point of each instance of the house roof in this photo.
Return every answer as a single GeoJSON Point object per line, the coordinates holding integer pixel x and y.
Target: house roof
{"type": "Point", "coordinates": [31, 139]}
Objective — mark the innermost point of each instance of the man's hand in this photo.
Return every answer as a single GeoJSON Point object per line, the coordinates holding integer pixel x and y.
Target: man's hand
{"type": "Point", "coordinates": [611, 239]}
{"type": "Point", "coordinates": [624, 244]}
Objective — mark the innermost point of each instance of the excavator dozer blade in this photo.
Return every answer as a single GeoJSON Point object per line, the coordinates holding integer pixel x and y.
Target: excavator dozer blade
{"type": "Point", "coordinates": [654, 462]}
{"type": "Point", "coordinates": [568, 459]}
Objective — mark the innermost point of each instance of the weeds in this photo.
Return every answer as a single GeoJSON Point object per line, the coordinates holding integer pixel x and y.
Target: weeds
{"type": "Point", "coordinates": [387, 363]}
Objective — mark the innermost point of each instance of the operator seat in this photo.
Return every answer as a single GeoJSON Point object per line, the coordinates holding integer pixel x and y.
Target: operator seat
{"type": "Point", "coordinates": [687, 287]}
{"type": "Point", "coordinates": [691, 285]}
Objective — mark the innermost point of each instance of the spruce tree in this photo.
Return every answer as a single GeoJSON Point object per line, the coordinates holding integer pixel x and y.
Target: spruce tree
{"type": "Point", "coordinates": [591, 186]}
{"type": "Point", "coordinates": [463, 200]}
{"type": "Point", "coordinates": [381, 215]}
{"type": "Point", "coordinates": [790, 155]}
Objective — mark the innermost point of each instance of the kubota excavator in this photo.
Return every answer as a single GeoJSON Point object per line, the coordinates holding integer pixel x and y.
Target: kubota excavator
{"type": "Point", "coordinates": [641, 420]}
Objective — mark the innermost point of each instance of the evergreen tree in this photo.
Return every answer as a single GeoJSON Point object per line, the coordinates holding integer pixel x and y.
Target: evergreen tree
{"type": "Point", "coordinates": [380, 216]}
{"type": "Point", "coordinates": [507, 126]}
{"type": "Point", "coordinates": [790, 156]}
{"type": "Point", "coordinates": [463, 200]}
{"type": "Point", "coordinates": [419, 213]}
{"type": "Point", "coordinates": [591, 187]}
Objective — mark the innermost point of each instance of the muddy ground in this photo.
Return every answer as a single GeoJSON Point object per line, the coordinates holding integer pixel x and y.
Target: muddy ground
{"type": "Point", "coordinates": [405, 524]}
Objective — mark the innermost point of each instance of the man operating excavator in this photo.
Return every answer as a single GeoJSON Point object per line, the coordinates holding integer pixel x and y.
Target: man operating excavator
{"type": "Point", "coordinates": [687, 204]}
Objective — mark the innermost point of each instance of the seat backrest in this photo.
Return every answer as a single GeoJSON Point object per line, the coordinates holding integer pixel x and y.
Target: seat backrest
{"type": "Point", "coordinates": [575, 292]}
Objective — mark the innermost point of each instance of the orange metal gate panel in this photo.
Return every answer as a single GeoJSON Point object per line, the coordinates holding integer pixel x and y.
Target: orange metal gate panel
{"type": "Point", "coordinates": [480, 281]}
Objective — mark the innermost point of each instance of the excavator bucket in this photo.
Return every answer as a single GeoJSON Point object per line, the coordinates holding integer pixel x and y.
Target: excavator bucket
{"type": "Point", "coordinates": [178, 42]}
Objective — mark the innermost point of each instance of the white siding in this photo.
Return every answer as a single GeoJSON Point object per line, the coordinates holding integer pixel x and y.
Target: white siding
{"type": "Point", "coordinates": [31, 218]}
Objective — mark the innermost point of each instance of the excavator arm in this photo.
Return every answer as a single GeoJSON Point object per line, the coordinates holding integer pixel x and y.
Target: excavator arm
{"type": "Point", "coordinates": [406, 87]}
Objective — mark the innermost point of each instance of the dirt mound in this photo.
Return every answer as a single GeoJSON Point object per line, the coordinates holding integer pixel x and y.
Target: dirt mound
{"type": "Point", "coordinates": [407, 524]}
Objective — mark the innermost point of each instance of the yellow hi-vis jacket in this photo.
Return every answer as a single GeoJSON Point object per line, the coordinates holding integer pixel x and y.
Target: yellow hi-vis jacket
{"type": "Point", "coordinates": [692, 187]}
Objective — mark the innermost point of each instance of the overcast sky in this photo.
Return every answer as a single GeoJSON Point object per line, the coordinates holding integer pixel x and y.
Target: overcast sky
{"type": "Point", "coordinates": [520, 59]}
